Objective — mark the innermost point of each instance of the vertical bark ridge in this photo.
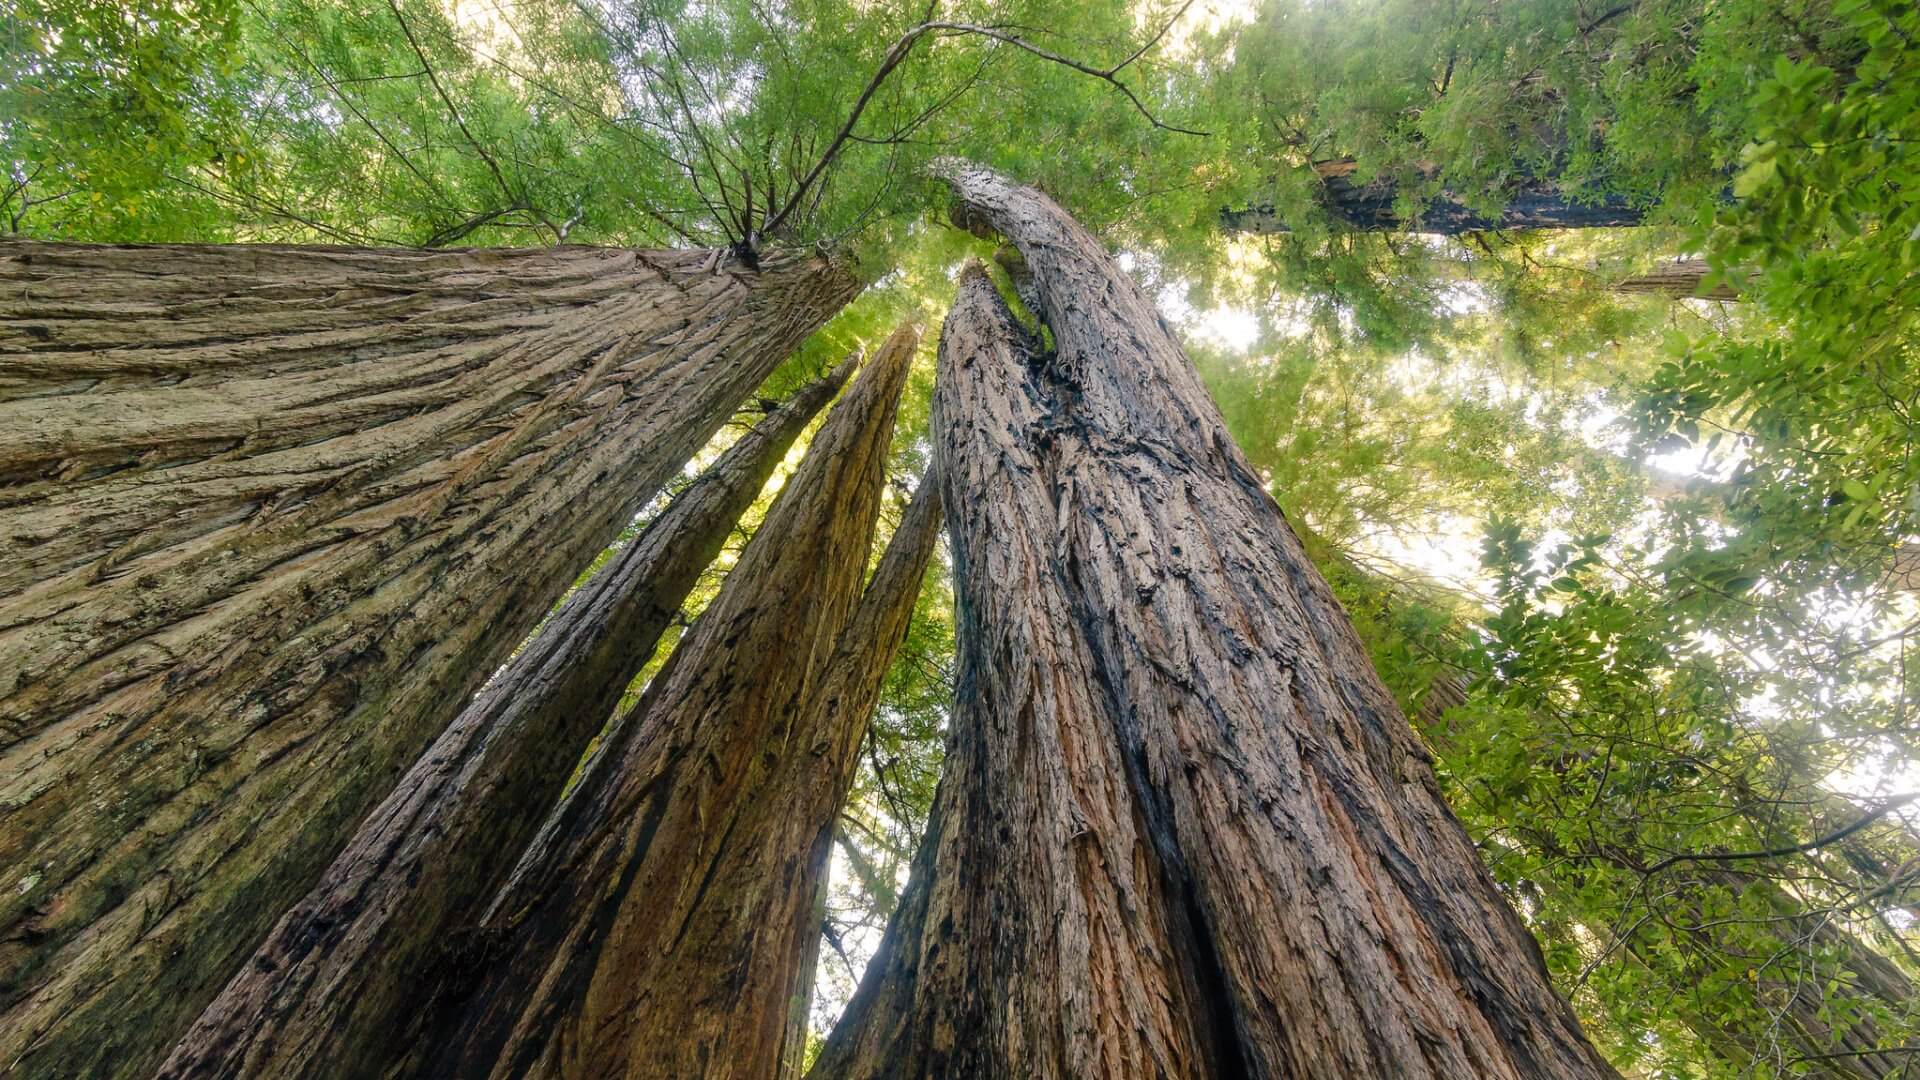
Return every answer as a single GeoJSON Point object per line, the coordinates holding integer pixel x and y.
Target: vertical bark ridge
{"type": "Point", "coordinates": [1211, 754]}
{"type": "Point", "coordinates": [606, 966]}
{"type": "Point", "coordinates": [271, 515]}
{"type": "Point", "coordinates": [1046, 946]}
{"type": "Point", "coordinates": [339, 982]}
{"type": "Point", "coordinates": [812, 787]}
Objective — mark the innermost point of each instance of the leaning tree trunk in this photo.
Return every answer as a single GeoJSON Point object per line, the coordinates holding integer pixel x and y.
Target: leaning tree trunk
{"type": "Point", "coordinates": [1375, 206]}
{"type": "Point", "coordinates": [338, 987]}
{"type": "Point", "coordinates": [1817, 996]}
{"type": "Point", "coordinates": [1184, 830]}
{"type": "Point", "coordinates": [633, 937]}
{"type": "Point", "coordinates": [271, 515]}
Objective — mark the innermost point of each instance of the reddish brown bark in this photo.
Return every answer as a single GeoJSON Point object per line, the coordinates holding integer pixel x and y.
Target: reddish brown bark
{"type": "Point", "coordinates": [346, 979]}
{"type": "Point", "coordinates": [642, 934]}
{"type": "Point", "coordinates": [1183, 830]}
{"type": "Point", "coordinates": [814, 786]}
{"type": "Point", "coordinates": [271, 515]}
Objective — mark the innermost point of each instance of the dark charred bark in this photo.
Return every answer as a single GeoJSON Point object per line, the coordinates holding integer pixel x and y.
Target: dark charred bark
{"type": "Point", "coordinates": [1184, 830]}
{"type": "Point", "coordinates": [271, 515]}
{"type": "Point", "coordinates": [338, 987]}
{"type": "Point", "coordinates": [636, 936]}
{"type": "Point", "coordinates": [1531, 203]}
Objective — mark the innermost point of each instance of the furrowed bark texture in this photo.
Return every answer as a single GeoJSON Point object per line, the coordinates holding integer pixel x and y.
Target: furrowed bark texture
{"type": "Point", "coordinates": [1532, 203]}
{"type": "Point", "coordinates": [1184, 829]}
{"type": "Point", "coordinates": [1679, 279]}
{"type": "Point", "coordinates": [270, 516]}
{"type": "Point", "coordinates": [346, 977]}
{"type": "Point", "coordinates": [813, 786]}
{"type": "Point", "coordinates": [630, 938]}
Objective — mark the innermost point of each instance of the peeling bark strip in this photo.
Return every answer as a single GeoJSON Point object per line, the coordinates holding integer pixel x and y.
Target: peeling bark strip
{"type": "Point", "coordinates": [631, 939]}
{"type": "Point", "coordinates": [1184, 830]}
{"type": "Point", "coordinates": [1532, 203]}
{"type": "Point", "coordinates": [339, 984]}
{"type": "Point", "coordinates": [270, 515]}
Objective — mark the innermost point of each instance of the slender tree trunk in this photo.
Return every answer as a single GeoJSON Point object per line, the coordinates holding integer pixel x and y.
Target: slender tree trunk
{"type": "Point", "coordinates": [814, 787]}
{"type": "Point", "coordinates": [1184, 830]}
{"type": "Point", "coordinates": [338, 988]}
{"type": "Point", "coordinates": [638, 935]}
{"type": "Point", "coordinates": [271, 516]}
{"type": "Point", "coordinates": [1532, 203]}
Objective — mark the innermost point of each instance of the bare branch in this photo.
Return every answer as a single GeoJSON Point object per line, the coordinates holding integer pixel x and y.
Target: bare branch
{"type": "Point", "coordinates": [1836, 836]}
{"type": "Point", "coordinates": [898, 52]}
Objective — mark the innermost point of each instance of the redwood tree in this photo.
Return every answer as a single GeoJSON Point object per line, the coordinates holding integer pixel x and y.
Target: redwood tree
{"type": "Point", "coordinates": [1184, 830]}
{"type": "Point", "coordinates": [1375, 206]}
{"type": "Point", "coordinates": [271, 516]}
{"type": "Point", "coordinates": [643, 933]}
{"type": "Point", "coordinates": [347, 975]}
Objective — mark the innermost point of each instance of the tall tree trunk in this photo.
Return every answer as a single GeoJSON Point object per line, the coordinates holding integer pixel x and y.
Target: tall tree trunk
{"type": "Point", "coordinates": [635, 936]}
{"type": "Point", "coordinates": [271, 516]}
{"type": "Point", "coordinates": [1678, 279]}
{"type": "Point", "coordinates": [814, 787]}
{"type": "Point", "coordinates": [1184, 830]}
{"type": "Point", "coordinates": [1530, 203]}
{"type": "Point", "coordinates": [337, 987]}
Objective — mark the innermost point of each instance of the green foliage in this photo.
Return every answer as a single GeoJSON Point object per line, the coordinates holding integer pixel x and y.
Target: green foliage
{"type": "Point", "coordinates": [1638, 669]}
{"type": "Point", "coordinates": [102, 105]}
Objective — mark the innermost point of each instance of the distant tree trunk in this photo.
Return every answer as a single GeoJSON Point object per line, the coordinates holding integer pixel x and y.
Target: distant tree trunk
{"type": "Point", "coordinates": [271, 516]}
{"type": "Point", "coordinates": [1533, 202]}
{"type": "Point", "coordinates": [641, 935]}
{"type": "Point", "coordinates": [1795, 956]}
{"type": "Point", "coordinates": [1184, 830]}
{"type": "Point", "coordinates": [1530, 203]}
{"type": "Point", "coordinates": [343, 981]}
{"type": "Point", "coordinates": [1679, 279]}
{"type": "Point", "coordinates": [1819, 1006]}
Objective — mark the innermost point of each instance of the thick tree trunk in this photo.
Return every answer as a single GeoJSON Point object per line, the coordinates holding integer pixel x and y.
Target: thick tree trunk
{"type": "Point", "coordinates": [1184, 830]}
{"type": "Point", "coordinates": [1534, 203]}
{"type": "Point", "coordinates": [271, 515]}
{"type": "Point", "coordinates": [636, 936]}
{"type": "Point", "coordinates": [338, 987]}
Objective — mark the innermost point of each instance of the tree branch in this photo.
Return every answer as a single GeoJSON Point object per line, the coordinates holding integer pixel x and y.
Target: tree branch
{"type": "Point", "coordinates": [1837, 835]}
{"type": "Point", "coordinates": [897, 54]}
